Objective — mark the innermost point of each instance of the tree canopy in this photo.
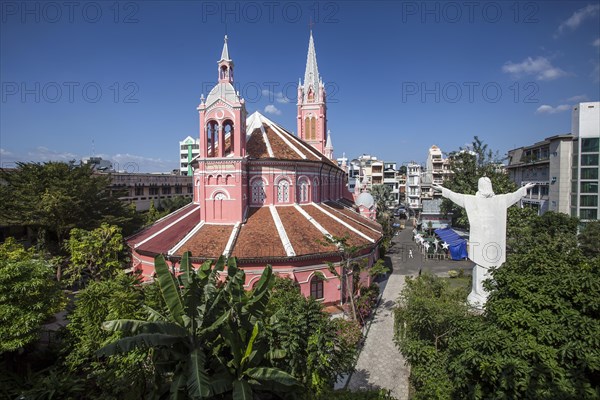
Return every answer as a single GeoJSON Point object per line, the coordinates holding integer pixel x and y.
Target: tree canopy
{"type": "Point", "coordinates": [537, 337]}
{"type": "Point", "coordinates": [29, 295]}
{"type": "Point", "coordinates": [58, 197]}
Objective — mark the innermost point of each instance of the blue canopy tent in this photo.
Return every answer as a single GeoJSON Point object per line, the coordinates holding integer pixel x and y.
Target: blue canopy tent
{"type": "Point", "coordinates": [456, 244]}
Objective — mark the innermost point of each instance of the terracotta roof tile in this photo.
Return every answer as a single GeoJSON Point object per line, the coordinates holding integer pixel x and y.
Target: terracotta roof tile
{"type": "Point", "coordinates": [208, 242]}
{"type": "Point", "coordinates": [157, 226]}
{"type": "Point", "coordinates": [303, 235]}
{"type": "Point", "coordinates": [255, 146]}
{"type": "Point", "coordinates": [258, 237]}
{"type": "Point", "coordinates": [164, 241]}
{"type": "Point", "coordinates": [353, 223]}
{"type": "Point", "coordinates": [334, 227]}
{"type": "Point", "coordinates": [354, 215]}
{"type": "Point", "coordinates": [280, 149]}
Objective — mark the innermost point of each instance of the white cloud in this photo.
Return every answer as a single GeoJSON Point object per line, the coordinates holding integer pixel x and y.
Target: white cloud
{"type": "Point", "coordinates": [271, 109]}
{"type": "Point", "coordinates": [578, 98]}
{"type": "Point", "coordinates": [134, 163]}
{"type": "Point", "coordinates": [43, 154]}
{"type": "Point", "coordinates": [540, 67]}
{"type": "Point", "coordinates": [280, 98]}
{"type": "Point", "coordinates": [546, 109]}
{"type": "Point", "coordinates": [573, 22]}
{"type": "Point", "coordinates": [4, 152]}
{"type": "Point", "coordinates": [596, 43]}
{"type": "Point", "coordinates": [275, 96]}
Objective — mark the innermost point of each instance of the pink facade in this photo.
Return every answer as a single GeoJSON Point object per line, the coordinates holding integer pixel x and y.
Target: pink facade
{"type": "Point", "coordinates": [264, 195]}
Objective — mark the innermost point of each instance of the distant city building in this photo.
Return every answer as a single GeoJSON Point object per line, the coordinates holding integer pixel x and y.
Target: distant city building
{"type": "Point", "coordinates": [432, 214]}
{"type": "Point", "coordinates": [563, 167]}
{"type": "Point", "coordinates": [142, 189]}
{"type": "Point", "coordinates": [585, 127]}
{"type": "Point", "coordinates": [368, 171]}
{"type": "Point", "coordinates": [413, 186]}
{"type": "Point", "coordinates": [548, 165]}
{"type": "Point", "coordinates": [188, 149]}
{"type": "Point", "coordinates": [98, 163]}
{"type": "Point", "coordinates": [437, 171]}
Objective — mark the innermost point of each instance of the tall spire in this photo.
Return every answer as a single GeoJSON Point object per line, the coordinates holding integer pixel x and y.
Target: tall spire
{"type": "Point", "coordinates": [329, 147]}
{"type": "Point", "coordinates": [225, 65]}
{"type": "Point", "coordinates": [225, 52]}
{"type": "Point", "coordinates": [311, 74]}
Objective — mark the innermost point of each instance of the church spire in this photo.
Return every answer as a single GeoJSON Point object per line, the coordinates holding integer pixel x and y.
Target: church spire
{"type": "Point", "coordinates": [329, 147]}
{"type": "Point", "coordinates": [225, 65]}
{"type": "Point", "coordinates": [225, 52]}
{"type": "Point", "coordinates": [312, 108]}
{"type": "Point", "coordinates": [312, 80]}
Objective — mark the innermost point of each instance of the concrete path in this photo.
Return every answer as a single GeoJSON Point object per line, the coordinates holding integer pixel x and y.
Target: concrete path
{"type": "Point", "coordinates": [380, 364]}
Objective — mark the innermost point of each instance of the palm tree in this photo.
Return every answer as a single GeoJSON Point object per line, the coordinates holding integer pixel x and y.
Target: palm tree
{"type": "Point", "coordinates": [210, 342]}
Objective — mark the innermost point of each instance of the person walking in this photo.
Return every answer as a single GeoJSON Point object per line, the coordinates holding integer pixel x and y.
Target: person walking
{"type": "Point", "coordinates": [410, 255]}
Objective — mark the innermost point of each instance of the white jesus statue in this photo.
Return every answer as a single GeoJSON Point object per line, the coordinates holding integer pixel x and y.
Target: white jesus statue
{"type": "Point", "coordinates": [487, 239]}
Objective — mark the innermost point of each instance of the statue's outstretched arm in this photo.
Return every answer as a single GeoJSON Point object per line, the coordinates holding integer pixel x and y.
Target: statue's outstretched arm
{"type": "Point", "coordinates": [457, 198]}
{"type": "Point", "coordinates": [512, 198]}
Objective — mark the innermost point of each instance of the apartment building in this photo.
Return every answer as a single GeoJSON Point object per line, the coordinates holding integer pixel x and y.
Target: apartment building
{"type": "Point", "coordinates": [188, 149]}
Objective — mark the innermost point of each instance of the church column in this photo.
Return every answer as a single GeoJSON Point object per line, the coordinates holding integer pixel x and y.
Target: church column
{"type": "Point", "coordinates": [221, 140]}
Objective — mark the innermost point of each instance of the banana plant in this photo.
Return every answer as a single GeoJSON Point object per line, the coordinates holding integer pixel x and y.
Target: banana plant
{"type": "Point", "coordinates": [210, 339]}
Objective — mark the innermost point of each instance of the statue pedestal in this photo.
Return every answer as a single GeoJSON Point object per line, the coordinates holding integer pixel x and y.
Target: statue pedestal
{"type": "Point", "coordinates": [478, 296]}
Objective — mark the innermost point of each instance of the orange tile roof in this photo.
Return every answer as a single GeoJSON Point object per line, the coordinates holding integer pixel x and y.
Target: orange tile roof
{"type": "Point", "coordinates": [305, 237]}
{"type": "Point", "coordinates": [335, 228]}
{"type": "Point", "coordinates": [208, 242]}
{"type": "Point", "coordinates": [258, 237]}
{"type": "Point", "coordinates": [352, 214]}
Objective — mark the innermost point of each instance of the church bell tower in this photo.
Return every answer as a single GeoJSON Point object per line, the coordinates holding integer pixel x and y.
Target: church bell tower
{"type": "Point", "coordinates": [218, 182]}
{"type": "Point", "coordinates": [312, 109]}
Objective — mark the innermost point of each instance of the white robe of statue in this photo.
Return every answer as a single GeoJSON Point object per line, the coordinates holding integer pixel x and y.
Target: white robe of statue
{"type": "Point", "coordinates": [487, 238]}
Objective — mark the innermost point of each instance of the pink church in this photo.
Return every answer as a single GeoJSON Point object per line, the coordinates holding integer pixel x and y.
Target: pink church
{"type": "Point", "coordinates": [265, 195]}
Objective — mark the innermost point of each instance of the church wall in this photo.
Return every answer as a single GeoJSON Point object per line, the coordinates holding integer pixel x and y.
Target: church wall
{"type": "Point", "coordinates": [301, 271]}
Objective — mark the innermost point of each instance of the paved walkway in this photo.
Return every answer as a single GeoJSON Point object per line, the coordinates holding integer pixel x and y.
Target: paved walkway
{"type": "Point", "coordinates": [380, 364]}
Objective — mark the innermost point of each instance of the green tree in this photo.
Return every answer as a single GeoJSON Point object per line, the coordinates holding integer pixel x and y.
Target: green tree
{"type": "Point", "coordinates": [428, 315]}
{"type": "Point", "coordinates": [589, 239]}
{"type": "Point", "coordinates": [29, 295]}
{"type": "Point", "coordinates": [96, 254]}
{"type": "Point", "coordinates": [58, 197]}
{"type": "Point", "coordinates": [539, 335]}
{"type": "Point", "coordinates": [315, 349]}
{"type": "Point", "coordinates": [118, 376]}
{"type": "Point", "coordinates": [468, 165]}
{"type": "Point", "coordinates": [211, 342]}
{"type": "Point", "coordinates": [382, 195]}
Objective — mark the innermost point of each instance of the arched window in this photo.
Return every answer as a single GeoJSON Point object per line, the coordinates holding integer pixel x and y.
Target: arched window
{"type": "Point", "coordinates": [303, 191]}
{"type": "Point", "coordinates": [258, 192]}
{"type": "Point", "coordinates": [212, 138]}
{"type": "Point", "coordinates": [224, 72]}
{"type": "Point", "coordinates": [313, 128]}
{"type": "Point", "coordinates": [283, 191]}
{"type": "Point", "coordinates": [228, 134]}
{"type": "Point", "coordinates": [316, 287]}
{"type": "Point", "coordinates": [315, 190]}
{"type": "Point", "coordinates": [307, 133]}
{"type": "Point", "coordinates": [311, 94]}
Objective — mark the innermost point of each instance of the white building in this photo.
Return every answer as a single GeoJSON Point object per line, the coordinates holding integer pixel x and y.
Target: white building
{"type": "Point", "coordinates": [413, 186]}
{"type": "Point", "coordinates": [585, 127]}
{"type": "Point", "coordinates": [563, 167]}
{"type": "Point", "coordinates": [188, 149]}
{"type": "Point", "coordinates": [548, 165]}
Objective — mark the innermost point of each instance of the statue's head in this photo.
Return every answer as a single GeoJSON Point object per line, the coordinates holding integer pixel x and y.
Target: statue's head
{"type": "Point", "coordinates": [485, 187]}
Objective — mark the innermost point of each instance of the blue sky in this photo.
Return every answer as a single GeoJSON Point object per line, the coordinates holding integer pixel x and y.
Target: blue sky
{"type": "Point", "coordinates": [122, 80]}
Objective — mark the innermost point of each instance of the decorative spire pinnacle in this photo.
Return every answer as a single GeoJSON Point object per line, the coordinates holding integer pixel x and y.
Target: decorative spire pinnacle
{"type": "Point", "coordinates": [311, 74]}
{"type": "Point", "coordinates": [329, 144]}
{"type": "Point", "coordinates": [225, 52]}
